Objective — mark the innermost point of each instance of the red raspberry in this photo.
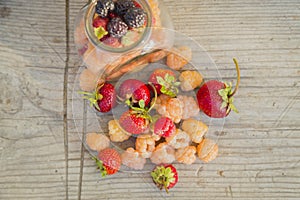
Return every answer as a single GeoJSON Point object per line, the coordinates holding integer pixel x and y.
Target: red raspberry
{"type": "Point", "coordinates": [164, 127]}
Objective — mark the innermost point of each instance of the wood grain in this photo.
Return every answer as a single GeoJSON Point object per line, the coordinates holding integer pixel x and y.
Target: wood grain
{"type": "Point", "coordinates": [32, 62]}
{"type": "Point", "coordinates": [259, 148]}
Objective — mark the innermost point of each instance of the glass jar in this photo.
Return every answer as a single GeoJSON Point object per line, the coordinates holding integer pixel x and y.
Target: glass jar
{"type": "Point", "coordinates": [99, 57]}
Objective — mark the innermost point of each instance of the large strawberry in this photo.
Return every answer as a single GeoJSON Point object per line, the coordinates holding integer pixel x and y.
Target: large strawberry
{"type": "Point", "coordinates": [103, 98]}
{"type": "Point", "coordinates": [215, 98]}
{"type": "Point", "coordinates": [165, 176]}
{"type": "Point", "coordinates": [137, 119]}
{"type": "Point", "coordinates": [132, 91]}
{"type": "Point", "coordinates": [108, 161]}
{"type": "Point", "coordinates": [164, 82]}
{"type": "Point", "coordinates": [134, 122]}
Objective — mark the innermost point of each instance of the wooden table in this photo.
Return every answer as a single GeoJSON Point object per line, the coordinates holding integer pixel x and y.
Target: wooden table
{"type": "Point", "coordinates": [41, 156]}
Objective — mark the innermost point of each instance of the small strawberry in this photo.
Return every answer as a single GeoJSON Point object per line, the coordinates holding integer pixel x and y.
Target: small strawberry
{"type": "Point", "coordinates": [164, 127]}
{"type": "Point", "coordinates": [111, 41]}
{"type": "Point", "coordinates": [108, 161]}
{"type": "Point", "coordinates": [112, 15]}
{"type": "Point", "coordinates": [165, 82]}
{"type": "Point", "coordinates": [133, 91]}
{"type": "Point", "coordinates": [165, 176]}
{"type": "Point", "coordinates": [215, 98]}
{"type": "Point", "coordinates": [136, 4]}
{"type": "Point", "coordinates": [100, 21]}
{"type": "Point", "coordinates": [103, 98]}
{"type": "Point", "coordinates": [133, 122]}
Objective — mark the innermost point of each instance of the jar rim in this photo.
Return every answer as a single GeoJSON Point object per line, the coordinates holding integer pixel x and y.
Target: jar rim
{"type": "Point", "coordinates": [89, 29]}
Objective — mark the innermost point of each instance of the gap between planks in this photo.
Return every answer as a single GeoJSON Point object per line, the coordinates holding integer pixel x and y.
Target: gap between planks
{"type": "Point", "coordinates": [82, 150]}
{"type": "Point", "coordinates": [65, 98]}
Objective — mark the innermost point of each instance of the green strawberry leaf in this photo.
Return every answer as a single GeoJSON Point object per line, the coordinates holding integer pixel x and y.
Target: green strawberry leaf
{"type": "Point", "coordinates": [169, 79]}
{"type": "Point", "coordinates": [170, 93]}
{"type": "Point", "coordinates": [224, 105]}
{"type": "Point", "coordinates": [93, 98]}
{"type": "Point", "coordinates": [177, 84]}
{"type": "Point", "coordinates": [100, 32]}
{"type": "Point", "coordinates": [100, 166]}
{"type": "Point", "coordinates": [163, 89]}
{"type": "Point", "coordinates": [163, 177]}
{"type": "Point", "coordinates": [227, 98]}
{"type": "Point", "coordinates": [223, 93]}
{"type": "Point", "coordinates": [128, 102]}
{"type": "Point", "coordinates": [160, 80]}
{"type": "Point", "coordinates": [142, 103]}
{"type": "Point", "coordinates": [232, 107]}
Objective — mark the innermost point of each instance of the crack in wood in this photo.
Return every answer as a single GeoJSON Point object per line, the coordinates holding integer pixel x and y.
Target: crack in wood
{"type": "Point", "coordinates": [286, 109]}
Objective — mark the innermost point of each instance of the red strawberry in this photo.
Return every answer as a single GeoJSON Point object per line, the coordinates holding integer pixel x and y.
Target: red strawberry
{"type": "Point", "coordinates": [165, 176]}
{"type": "Point", "coordinates": [136, 4]}
{"type": "Point", "coordinates": [112, 15]}
{"type": "Point", "coordinates": [133, 122]}
{"type": "Point", "coordinates": [164, 127]}
{"type": "Point", "coordinates": [134, 91]}
{"type": "Point", "coordinates": [111, 41]}
{"type": "Point", "coordinates": [108, 161]}
{"type": "Point", "coordinates": [103, 99]}
{"type": "Point", "coordinates": [164, 81]}
{"type": "Point", "coordinates": [99, 21]}
{"type": "Point", "coordinates": [215, 98]}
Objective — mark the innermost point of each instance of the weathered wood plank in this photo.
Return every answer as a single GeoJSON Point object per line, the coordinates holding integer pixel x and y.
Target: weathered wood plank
{"type": "Point", "coordinates": [259, 148]}
{"type": "Point", "coordinates": [32, 62]}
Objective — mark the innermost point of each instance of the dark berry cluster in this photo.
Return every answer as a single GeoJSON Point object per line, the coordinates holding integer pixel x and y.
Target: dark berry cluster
{"type": "Point", "coordinates": [104, 6]}
{"type": "Point", "coordinates": [121, 15]}
{"type": "Point", "coordinates": [135, 17]}
{"type": "Point", "coordinates": [117, 28]}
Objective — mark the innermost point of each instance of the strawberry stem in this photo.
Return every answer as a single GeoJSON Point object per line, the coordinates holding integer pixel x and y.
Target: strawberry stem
{"type": "Point", "coordinates": [238, 78]}
{"type": "Point", "coordinates": [165, 185]}
{"type": "Point", "coordinates": [155, 97]}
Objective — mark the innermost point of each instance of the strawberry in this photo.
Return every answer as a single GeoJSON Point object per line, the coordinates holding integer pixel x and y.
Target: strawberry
{"type": "Point", "coordinates": [133, 122]}
{"type": "Point", "coordinates": [136, 4]}
{"type": "Point", "coordinates": [133, 91]}
{"type": "Point", "coordinates": [137, 119]}
{"type": "Point", "coordinates": [165, 176]}
{"type": "Point", "coordinates": [112, 15]}
{"type": "Point", "coordinates": [108, 161]}
{"type": "Point", "coordinates": [99, 21]}
{"type": "Point", "coordinates": [103, 98]}
{"type": "Point", "coordinates": [165, 82]}
{"type": "Point", "coordinates": [164, 127]}
{"type": "Point", "coordinates": [111, 41]}
{"type": "Point", "coordinates": [215, 98]}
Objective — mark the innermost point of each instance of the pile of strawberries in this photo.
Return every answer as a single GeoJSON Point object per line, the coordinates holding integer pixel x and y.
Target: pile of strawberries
{"type": "Point", "coordinates": [161, 116]}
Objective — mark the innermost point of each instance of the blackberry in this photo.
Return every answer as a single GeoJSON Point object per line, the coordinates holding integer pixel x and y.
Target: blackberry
{"type": "Point", "coordinates": [117, 28]}
{"type": "Point", "coordinates": [121, 6]}
{"type": "Point", "coordinates": [135, 17]}
{"type": "Point", "coordinates": [103, 6]}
